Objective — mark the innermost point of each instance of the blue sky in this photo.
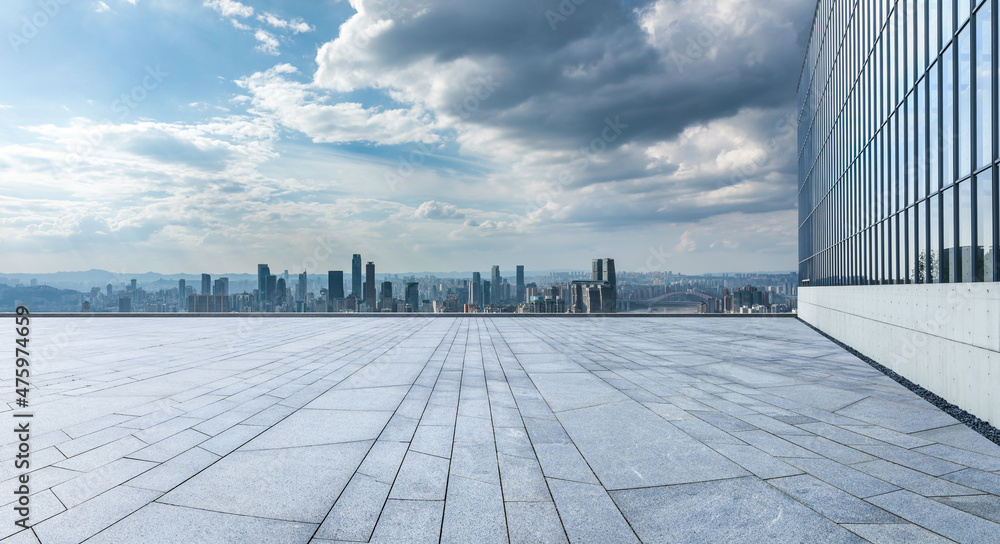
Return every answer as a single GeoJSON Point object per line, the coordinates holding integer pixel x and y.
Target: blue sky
{"type": "Point", "coordinates": [211, 135]}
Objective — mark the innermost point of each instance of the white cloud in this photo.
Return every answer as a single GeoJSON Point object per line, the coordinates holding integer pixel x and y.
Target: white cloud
{"type": "Point", "coordinates": [101, 7]}
{"type": "Point", "coordinates": [686, 243]}
{"type": "Point", "coordinates": [297, 26]}
{"type": "Point", "coordinates": [267, 42]}
{"type": "Point", "coordinates": [238, 25]}
{"type": "Point", "coordinates": [229, 8]}
{"type": "Point", "coordinates": [304, 107]}
{"type": "Point", "coordinates": [438, 210]}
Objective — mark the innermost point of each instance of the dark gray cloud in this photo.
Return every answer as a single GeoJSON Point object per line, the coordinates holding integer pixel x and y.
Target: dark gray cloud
{"type": "Point", "coordinates": [659, 66]}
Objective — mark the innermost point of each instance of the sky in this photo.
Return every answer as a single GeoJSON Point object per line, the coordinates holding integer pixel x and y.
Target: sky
{"type": "Point", "coordinates": [427, 135]}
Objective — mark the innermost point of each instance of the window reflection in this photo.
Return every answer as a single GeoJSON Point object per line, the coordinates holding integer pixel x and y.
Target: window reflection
{"type": "Point", "coordinates": [984, 86]}
{"type": "Point", "coordinates": [964, 252]}
{"type": "Point", "coordinates": [985, 222]}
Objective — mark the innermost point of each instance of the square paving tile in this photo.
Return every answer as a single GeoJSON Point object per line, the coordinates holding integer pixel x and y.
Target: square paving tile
{"type": "Point", "coordinates": [489, 429]}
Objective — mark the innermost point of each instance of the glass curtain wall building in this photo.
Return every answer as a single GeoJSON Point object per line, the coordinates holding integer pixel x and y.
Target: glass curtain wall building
{"type": "Point", "coordinates": [898, 138]}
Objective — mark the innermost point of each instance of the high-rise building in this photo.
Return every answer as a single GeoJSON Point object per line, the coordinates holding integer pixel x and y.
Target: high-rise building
{"type": "Point", "coordinates": [604, 270]}
{"type": "Point", "coordinates": [335, 284]}
{"type": "Point", "coordinates": [609, 272]}
{"type": "Point", "coordinates": [356, 275]}
{"type": "Point", "coordinates": [487, 291]}
{"type": "Point", "coordinates": [280, 290]}
{"type": "Point", "coordinates": [125, 305]}
{"type": "Point", "coordinates": [181, 294]}
{"type": "Point", "coordinates": [206, 284]}
{"type": "Point", "coordinates": [412, 296]}
{"type": "Point", "coordinates": [519, 297]}
{"type": "Point", "coordinates": [109, 288]}
{"type": "Point", "coordinates": [897, 151]}
{"type": "Point", "coordinates": [263, 271]}
{"type": "Point", "coordinates": [495, 282]}
{"type": "Point", "coordinates": [599, 295]}
{"type": "Point", "coordinates": [301, 287]}
{"type": "Point", "coordinates": [271, 288]}
{"type": "Point", "coordinates": [476, 290]}
{"type": "Point", "coordinates": [385, 297]}
{"type": "Point", "coordinates": [370, 297]}
{"type": "Point", "coordinates": [133, 285]}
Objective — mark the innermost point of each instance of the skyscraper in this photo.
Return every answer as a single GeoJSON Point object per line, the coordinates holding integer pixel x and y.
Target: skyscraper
{"type": "Point", "coordinates": [609, 272]}
{"type": "Point", "coordinates": [385, 297]}
{"type": "Point", "coordinates": [206, 284]}
{"type": "Point", "coordinates": [181, 294]}
{"type": "Point", "coordinates": [476, 290]}
{"type": "Point", "coordinates": [412, 296]}
{"type": "Point", "coordinates": [370, 296]}
{"type": "Point", "coordinates": [335, 284]}
{"type": "Point", "coordinates": [263, 271]}
{"type": "Point", "coordinates": [519, 296]}
{"type": "Point", "coordinates": [301, 288]}
{"type": "Point", "coordinates": [495, 285]}
{"type": "Point", "coordinates": [271, 288]}
{"type": "Point", "coordinates": [279, 288]}
{"type": "Point", "coordinates": [487, 293]}
{"type": "Point", "coordinates": [897, 190]}
{"type": "Point", "coordinates": [356, 275]}
{"type": "Point", "coordinates": [133, 285]}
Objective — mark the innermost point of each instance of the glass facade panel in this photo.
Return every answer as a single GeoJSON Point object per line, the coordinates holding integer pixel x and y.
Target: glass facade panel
{"type": "Point", "coordinates": [948, 257]}
{"type": "Point", "coordinates": [934, 134]}
{"type": "Point", "coordinates": [933, 24]}
{"type": "Point", "coordinates": [985, 228]}
{"type": "Point", "coordinates": [964, 125]}
{"type": "Point", "coordinates": [964, 195]}
{"type": "Point", "coordinates": [984, 86]}
{"type": "Point", "coordinates": [919, 157]}
{"type": "Point", "coordinates": [934, 255]}
{"type": "Point", "coordinates": [947, 118]}
{"type": "Point", "coordinates": [897, 143]}
{"type": "Point", "coordinates": [947, 20]}
{"type": "Point", "coordinates": [920, 227]}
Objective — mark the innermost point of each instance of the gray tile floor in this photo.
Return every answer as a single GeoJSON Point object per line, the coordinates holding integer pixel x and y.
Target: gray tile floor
{"type": "Point", "coordinates": [484, 430]}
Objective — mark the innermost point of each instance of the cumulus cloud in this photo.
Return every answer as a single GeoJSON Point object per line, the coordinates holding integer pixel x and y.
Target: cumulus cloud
{"type": "Point", "coordinates": [438, 210]}
{"type": "Point", "coordinates": [305, 108]}
{"type": "Point", "coordinates": [297, 26]}
{"type": "Point", "coordinates": [697, 125]}
{"type": "Point", "coordinates": [267, 43]}
{"type": "Point", "coordinates": [229, 8]}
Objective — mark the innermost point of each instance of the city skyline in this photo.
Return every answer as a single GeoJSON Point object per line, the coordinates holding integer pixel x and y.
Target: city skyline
{"type": "Point", "coordinates": [517, 291]}
{"type": "Point", "coordinates": [311, 123]}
